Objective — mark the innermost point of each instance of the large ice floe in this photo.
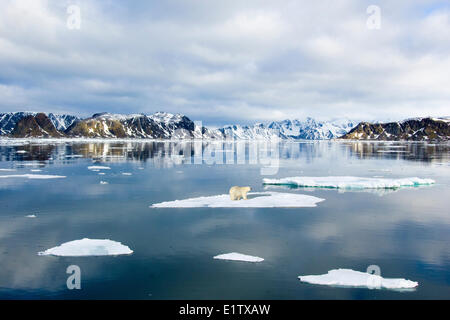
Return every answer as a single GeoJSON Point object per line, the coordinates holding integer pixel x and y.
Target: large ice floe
{"type": "Point", "coordinates": [255, 200]}
{"type": "Point", "coordinates": [352, 278]}
{"type": "Point", "coordinates": [234, 256]}
{"type": "Point", "coordinates": [88, 247]}
{"type": "Point", "coordinates": [33, 176]}
{"type": "Point", "coordinates": [348, 182]}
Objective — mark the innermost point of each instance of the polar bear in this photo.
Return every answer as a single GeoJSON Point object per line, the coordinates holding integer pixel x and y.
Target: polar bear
{"type": "Point", "coordinates": [236, 193]}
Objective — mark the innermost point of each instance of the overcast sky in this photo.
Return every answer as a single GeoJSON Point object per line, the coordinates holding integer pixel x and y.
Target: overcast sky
{"type": "Point", "coordinates": [227, 61]}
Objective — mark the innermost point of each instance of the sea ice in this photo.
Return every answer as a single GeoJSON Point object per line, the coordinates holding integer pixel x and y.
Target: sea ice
{"type": "Point", "coordinates": [347, 182]}
{"type": "Point", "coordinates": [255, 200]}
{"type": "Point", "coordinates": [126, 174]}
{"type": "Point", "coordinates": [36, 170]}
{"type": "Point", "coordinates": [88, 247]}
{"type": "Point", "coordinates": [103, 182]}
{"type": "Point", "coordinates": [99, 168]}
{"type": "Point", "coordinates": [74, 156]}
{"type": "Point", "coordinates": [30, 216]}
{"type": "Point", "coordinates": [7, 170]}
{"type": "Point", "coordinates": [33, 176]}
{"type": "Point", "coordinates": [352, 278]}
{"type": "Point", "coordinates": [234, 256]}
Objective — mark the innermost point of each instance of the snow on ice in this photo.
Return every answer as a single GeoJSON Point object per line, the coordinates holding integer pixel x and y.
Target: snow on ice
{"type": "Point", "coordinates": [348, 182]}
{"type": "Point", "coordinates": [255, 200]}
{"type": "Point", "coordinates": [88, 247]}
{"type": "Point", "coordinates": [352, 278]}
{"type": "Point", "coordinates": [234, 256]}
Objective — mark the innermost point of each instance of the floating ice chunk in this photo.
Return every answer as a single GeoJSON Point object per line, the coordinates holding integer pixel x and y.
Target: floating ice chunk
{"type": "Point", "coordinates": [36, 170]}
{"type": "Point", "coordinates": [103, 182]}
{"type": "Point", "coordinates": [255, 200]}
{"type": "Point", "coordinates": [234, 256]}
{"type": "Point", "coordinates": [88, 247]}
{"type": "Point", "coordinates": [101, 173]}
{"type": "Point", "coordinates": [126, 174]}
{"type": "Point", "coordinates": [33, 176]}
{"type": "Point", "coordinates": [74, 156]}
{"type": "Point", "coordinates": [381, 170]}
{"type": "Point", "coordinates": [350, 182]}
{"type": "Point", "coordinates": [99, 168]}
{"type": "Point", "coordinates": [30, 216]}
{"type": "Point", "coordinates": [21, 151]}
{"type": "Point", "coordinates": [352, 278]}
{"type": "Point", "coordinates": [7, 170]}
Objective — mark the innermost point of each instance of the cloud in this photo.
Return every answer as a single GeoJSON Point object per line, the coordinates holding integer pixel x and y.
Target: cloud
{"type": "Point", "coordinates": [227, 62]}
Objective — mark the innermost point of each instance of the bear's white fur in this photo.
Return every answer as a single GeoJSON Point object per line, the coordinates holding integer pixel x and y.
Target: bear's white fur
{"type": "Point", "coordinates": [236, 193]}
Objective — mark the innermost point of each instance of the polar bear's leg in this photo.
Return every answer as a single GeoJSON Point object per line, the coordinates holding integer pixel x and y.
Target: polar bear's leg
{"type": "Point", "coordinates": [245, 196]}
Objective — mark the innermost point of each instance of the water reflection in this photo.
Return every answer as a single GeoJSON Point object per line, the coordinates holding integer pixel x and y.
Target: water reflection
{"type": "Point", "coordinates": [165, 153]}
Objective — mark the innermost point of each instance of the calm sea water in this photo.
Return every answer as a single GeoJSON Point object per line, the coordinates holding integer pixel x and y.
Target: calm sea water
{"type": "Point", "coordinates": [405, 232]}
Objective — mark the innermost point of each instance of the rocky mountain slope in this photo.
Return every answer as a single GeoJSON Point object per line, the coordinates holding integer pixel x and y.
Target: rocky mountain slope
{"type": "Point", "coordinates": [38, 125]}
{"type": "Point", "coordinates": [419, 129]}
{"type": "Point", "coordinates": [8, 121]}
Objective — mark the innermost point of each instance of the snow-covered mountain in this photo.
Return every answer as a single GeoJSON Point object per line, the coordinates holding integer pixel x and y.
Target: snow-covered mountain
{"type": "Point", "coordinates": [415, 129]}
{"type": "Point", "coordinates": [309, 129]}
{"type": "Point", "coordinates": [9, 120]}
{"type": "Point", "coordinates": [161, 125]}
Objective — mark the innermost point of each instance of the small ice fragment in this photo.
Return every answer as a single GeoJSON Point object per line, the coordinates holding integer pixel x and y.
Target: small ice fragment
{"type": "Point", "coordinates": [30, 216]}
{"type": "Point", "coordinates": [33, 176]}
{"type": "Point", "coordinates": [126, 173]}
{"type": "Point", "coordinates": [99, 168]}
{"type": "Point", "coordinates": [234, 256]}
{"type": "Point", "coordinates": [101, 173]}
{"type": "Point", "coordinates": [88, 247]}
{"type": "Point", "coordinates": [21, 151]}
{"type": "Point", "coordinates": [103, 182]}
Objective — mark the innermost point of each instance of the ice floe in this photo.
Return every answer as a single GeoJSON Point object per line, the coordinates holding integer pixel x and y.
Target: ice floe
{"type": "Point", "coordinates": [33, 176]}
{"type": "Point", "coordinates": [234, 256]}
{"type": "Point", "coordinates": [99, 168]}
{"type": "Point", "coordinates": [88, 247]}
{"type": "Point", "coordinates": [103, 182]}
{"type": "Point", "coordinates": [126, 173]}
{"type": "Point", "coordinates": [352, 278]}
{"type": "Point", "coordinates": [30, 216]}
{"type": "Point", "coordinates": [36, 170]}
{"type": "Point", "coordinates": [74, 156]}
{"type": "Point", "coordinates": [348, 182]}
{"type": "Point", "coordinates": [7, 170]}
{"type": "Point", "coordinates": [255, 200]}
